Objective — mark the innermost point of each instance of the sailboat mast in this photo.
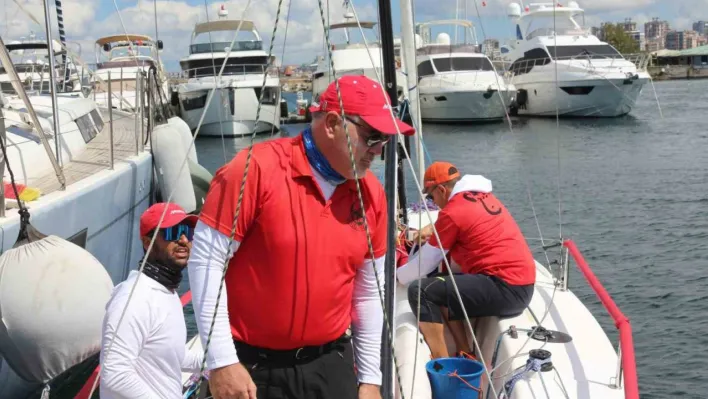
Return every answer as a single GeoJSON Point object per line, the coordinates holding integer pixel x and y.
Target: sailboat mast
{"type": "Point", "coordinates": [52, 83]}
{"type": "Point", "coordinates": [391, 152]}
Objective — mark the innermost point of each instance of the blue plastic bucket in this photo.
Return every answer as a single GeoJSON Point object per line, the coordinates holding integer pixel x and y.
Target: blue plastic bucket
{"type": "Point", "coordinates": [446, 386]}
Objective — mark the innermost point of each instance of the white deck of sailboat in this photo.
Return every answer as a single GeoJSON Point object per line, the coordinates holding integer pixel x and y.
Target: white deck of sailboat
{"type": "Point", "coordinates": [583, 368]}
{"type": "Point", "coordinates": [96, 156]}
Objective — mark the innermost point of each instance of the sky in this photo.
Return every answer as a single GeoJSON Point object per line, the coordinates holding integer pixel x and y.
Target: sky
{"type": "Point", "coordinates": [87, 20]}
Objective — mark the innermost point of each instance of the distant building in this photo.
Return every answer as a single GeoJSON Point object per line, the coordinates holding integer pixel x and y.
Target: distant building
{"type": "Point", "coordinates": [655, 34]}
{"type": "Point", "coordinates": [628, 26]}
{"type": "Point", "coordinates": [701, 27]}
{"type": "Point", "coordinates": [682, 40]}
{"type": "Point", "coordinates": [655, 44]}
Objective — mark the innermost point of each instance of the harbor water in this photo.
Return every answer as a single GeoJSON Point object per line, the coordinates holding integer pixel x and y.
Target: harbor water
{"type": "Point", "coordinates": [632, 194]}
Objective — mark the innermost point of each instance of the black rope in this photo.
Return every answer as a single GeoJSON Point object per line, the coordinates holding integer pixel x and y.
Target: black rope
{"type": "Point", "coordinates": [24, 213]}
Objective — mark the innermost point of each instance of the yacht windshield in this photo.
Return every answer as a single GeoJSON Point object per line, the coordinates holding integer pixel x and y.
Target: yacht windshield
{"type": "Point", "coordinates": [126, 51]}
{"type": "Point", "coordinates": [219, 41]}
{"type": "Point", "coordinates": [545, 25]}
{"type": "Point", "coordinates": [462, 64]}
{"type": "Point", "coordinates": [593, 51]}
{"type": "Point", "coordinates": [29, 56]}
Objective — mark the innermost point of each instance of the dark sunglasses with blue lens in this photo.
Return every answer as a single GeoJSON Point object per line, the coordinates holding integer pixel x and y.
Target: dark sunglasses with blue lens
{"type": "Point", "coordinates": [174, 233]}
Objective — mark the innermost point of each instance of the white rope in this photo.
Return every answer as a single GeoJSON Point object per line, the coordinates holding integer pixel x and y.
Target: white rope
{"type": "Point", "coordinates": [558, 177]}
{"type": "Point", "coordinates": [661, 114]}
{"type": "Point", "coordinates": [449, 269]}
{"type": "Point", "coordinates": [164, 212]}
{"type": "Point", "coordinates": [420, 220]}
{"type": "Point", "coordinates": [245, 174]}
{"type": "Point", "coordinates": [217, 86]}
{"type": "Point", "coordinates": [388, 324]}
{"type": "Point", "coordinates": [282, 60]}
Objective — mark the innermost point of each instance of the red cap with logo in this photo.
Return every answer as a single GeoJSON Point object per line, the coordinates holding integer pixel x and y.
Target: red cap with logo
{"type": "Point", "coordinates": [363, 97]}
{"type": "Point", "coordinates": [174, 216]}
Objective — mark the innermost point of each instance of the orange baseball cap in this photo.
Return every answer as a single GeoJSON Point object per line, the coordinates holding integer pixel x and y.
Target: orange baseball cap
{"type": "Point", "coordinates": [438, 173]}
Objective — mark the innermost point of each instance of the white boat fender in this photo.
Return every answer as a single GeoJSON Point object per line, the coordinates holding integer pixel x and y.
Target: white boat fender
{"type": "Point", "coordinates": [201, 179]}
{"type": "Point", "coordinates": [186, 135]}
{"type": "Point", "coordinates": [172, 177]}
{"type": "Point", "coordinates": [53, 295]}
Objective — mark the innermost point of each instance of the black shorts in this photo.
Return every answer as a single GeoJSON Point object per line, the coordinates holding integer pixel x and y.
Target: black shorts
{"type": "Point", "coordinates": [482, 296]}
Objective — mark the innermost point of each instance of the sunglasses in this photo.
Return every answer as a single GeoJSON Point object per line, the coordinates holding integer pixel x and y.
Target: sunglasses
{"type": "Point", "coordinates": [174, 233]}
{"type": "Point", "coordinates": [429, 196]}
{"type": "Point", "coordinates": [374, 137]}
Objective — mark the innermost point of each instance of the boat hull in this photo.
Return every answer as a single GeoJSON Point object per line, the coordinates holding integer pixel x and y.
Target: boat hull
{"type": "Point", "coordinates": [229, 115]}
{"type": "Point", "coordinates": [456, 105]}
{"type": "Point", "coordinates": [609, 97]}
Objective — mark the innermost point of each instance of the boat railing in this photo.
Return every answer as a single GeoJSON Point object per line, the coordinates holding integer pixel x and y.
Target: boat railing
{"type": "Point", "coordinates": [591, 62]}
{"type": "Point", "coordinates": [35, 78]}
{"type": "Point", "coordinates": [123, 80]}
{"type": "Point", "coordinates": [139, 109]}
{"type": "Point", "coordinates": [231, 69]}
{"type": "Point", "coordinates": [626, 365]}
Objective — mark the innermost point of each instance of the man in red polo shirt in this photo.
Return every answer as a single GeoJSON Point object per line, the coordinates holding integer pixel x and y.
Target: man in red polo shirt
{"type": "Point", "coordinates": [492, 264]}
{"type": "Point", "coordinates": [300, 271]}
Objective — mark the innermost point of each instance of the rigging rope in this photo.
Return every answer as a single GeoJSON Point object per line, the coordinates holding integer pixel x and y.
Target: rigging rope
{"type": "Point", "coordinates": [511, 130]}
{"type": "Point", "coordinates": [387, 323]}
{"type": "Point", "coordinates": [425, 206]}
{"type": "Point", "coordinates": [24, 213]}
{"type": "Point", "coordinates": [164, 212]}
{"type": "Point", "coordinates": [217, 85]}
{"type": "Point", "coordinates": [282, 61]}
{"type": "Point", "coordinates": [532, 365]}
{"type": "Point", "coordinates": [243, 181]}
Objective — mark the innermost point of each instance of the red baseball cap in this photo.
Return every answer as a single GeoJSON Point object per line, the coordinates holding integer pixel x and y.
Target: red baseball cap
{"type": "Point", "coordinates": [174, 216]}
{"type": "Point", "coordinates": [363, 97]}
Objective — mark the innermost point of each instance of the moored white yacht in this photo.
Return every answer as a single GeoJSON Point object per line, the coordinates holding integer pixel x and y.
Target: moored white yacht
{"type": "Point", "coordinates": [593, 79]}
{"type": "Point", "coordinates": [456, 82]}
{"type": "Point", "coordinates": [126, 56]}
{"type": "Point", "coordinates": [232, 110]}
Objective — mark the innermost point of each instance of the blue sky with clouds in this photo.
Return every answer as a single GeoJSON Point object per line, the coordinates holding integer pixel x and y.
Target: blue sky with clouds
{"type": "Point", "coordinates": [86, 20]}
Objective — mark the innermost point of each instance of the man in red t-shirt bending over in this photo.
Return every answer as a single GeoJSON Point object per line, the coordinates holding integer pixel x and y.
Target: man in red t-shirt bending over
{"type": "Point", "coordinates": [492, 264]}
{"type": "Point", "coordinates": [300, 270]}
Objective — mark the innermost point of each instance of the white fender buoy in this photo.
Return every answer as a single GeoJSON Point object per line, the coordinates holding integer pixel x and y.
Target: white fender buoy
{"type": "Point", "coordinates": [169, 152]}
{"type": "Point", "coordinates": [186, 135]}
{"type": "Point", "coordinates": [53, 295]}
{"type": "Point", "coordinates": [201, 180]}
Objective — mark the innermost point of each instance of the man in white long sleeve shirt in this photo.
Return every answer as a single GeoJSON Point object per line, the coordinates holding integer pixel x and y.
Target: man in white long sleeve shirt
{"type": "Point", "coordinates": [300, 270]}
{"type": "Point", "coordinates": [148, 352]}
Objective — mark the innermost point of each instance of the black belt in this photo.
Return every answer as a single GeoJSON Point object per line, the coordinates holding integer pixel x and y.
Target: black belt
{"type": "Point", "coordinates": [254, 354]}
